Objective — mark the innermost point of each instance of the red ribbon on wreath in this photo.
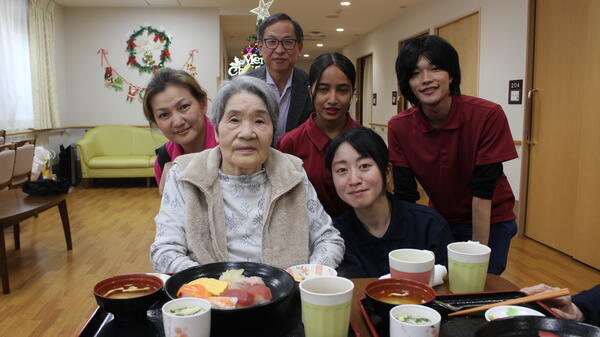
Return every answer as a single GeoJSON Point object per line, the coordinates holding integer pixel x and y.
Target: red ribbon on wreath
{"type": "Point", "coordinates": [164, 53]}
{"type": "Point", "coordinates": [158, 37]}
{"type": "Point", "coordinates": [131, 44]}
{"type": "Point", "coordinates": [131, 60]}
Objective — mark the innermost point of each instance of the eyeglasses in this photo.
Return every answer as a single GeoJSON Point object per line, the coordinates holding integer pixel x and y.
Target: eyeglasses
{"type": "Point", "coordinates": [288, 44]}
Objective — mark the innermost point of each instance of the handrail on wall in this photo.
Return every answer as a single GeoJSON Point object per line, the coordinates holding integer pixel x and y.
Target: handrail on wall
{"type": "Point", "coordinates": [34, 131]}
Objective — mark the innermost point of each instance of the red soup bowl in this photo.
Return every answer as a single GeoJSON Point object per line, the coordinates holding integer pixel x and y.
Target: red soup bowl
{"type": "Point", "coordinates": [385, 294]}
{"type": "Point", "coordinates": [132, 303]}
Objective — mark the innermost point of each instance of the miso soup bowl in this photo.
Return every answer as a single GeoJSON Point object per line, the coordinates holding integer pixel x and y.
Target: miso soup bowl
{"type": "Point", "coordinates": [374, 290]}
{"type": "Point", "coordinates": [129, 308]}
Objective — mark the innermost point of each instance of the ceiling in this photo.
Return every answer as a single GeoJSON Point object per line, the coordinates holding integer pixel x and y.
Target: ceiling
{"type": "Point", "coordinates": [318, 18]}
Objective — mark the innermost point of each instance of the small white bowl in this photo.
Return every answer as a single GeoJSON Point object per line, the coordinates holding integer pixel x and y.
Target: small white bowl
{"type": "Point", "coordinates": [305, 271]}
{"type": "Point", "coordinates": [510, 311]}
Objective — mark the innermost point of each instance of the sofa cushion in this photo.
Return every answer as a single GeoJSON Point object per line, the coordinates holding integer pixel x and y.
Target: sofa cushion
{"type": "Point", "coordinates": [128, 161]}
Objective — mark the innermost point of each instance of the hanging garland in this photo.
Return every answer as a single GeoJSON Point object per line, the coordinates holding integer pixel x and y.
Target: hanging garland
{"type": "Point", "coordinates": [114, 80]}
{"type": "Point", "coordinates": [136, 44]}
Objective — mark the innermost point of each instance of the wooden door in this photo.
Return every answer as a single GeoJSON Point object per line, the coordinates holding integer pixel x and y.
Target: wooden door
{"type": "Point", "coordinates": [366, 90]}
{"type": "Point", "coordinates": [564, 179]}
{"type": "Point", "coordinates": [463, 35]}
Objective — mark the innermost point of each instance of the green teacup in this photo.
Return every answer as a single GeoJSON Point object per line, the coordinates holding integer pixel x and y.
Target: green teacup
{"type": "Point", "coordinates": [467, 266]}
{"type": "Point", "coordinates": [326, 304]}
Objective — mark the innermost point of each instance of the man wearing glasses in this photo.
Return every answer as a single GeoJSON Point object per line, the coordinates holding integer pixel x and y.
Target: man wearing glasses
{"type": "Point", "coordinates": [280, 43]}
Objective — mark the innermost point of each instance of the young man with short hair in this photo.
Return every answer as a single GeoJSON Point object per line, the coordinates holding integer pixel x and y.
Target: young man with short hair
{"type": "Point", "coordinates": [455, 146]}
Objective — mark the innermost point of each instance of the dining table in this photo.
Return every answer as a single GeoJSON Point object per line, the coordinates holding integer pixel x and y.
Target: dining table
{"type": "Point", "coordinates": [492, 283]}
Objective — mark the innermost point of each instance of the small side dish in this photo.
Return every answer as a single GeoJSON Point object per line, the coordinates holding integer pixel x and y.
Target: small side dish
{"type": "Point", "coordinates": [418, 320]}
{"type": "Point", "coordinates": [187, 311]}
{"type": "Point", "coordinates": [305, 271]}
{"type": "Point", "coordinates": [510, 311]}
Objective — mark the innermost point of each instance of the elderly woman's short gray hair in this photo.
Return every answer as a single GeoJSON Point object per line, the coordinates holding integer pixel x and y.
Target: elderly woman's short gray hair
{"type": "Point", "coordinates": [251, 85]}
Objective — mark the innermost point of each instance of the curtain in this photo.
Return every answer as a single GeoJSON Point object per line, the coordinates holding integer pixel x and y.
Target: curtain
{"type": "Point", "coordinates": [43, 73]}
{"type": "Point", "coordinates": [16, 107]}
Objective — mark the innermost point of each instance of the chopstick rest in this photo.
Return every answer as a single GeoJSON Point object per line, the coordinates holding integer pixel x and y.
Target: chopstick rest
{"type": "Point", "coordinates": [530, 298]}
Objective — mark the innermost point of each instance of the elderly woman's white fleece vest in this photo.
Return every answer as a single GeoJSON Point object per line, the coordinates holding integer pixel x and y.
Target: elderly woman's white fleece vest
{"type": "Point", "coordinates": [285, 236]}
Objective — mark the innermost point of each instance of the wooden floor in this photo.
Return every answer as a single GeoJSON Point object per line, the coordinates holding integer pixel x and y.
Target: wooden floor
{"type": "Point", "coordinates": [112, 229]}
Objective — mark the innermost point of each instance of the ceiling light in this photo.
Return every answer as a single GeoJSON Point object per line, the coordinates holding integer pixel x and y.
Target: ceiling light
{"type": "Point", "coordinates": [345, 3]}
{"type": "Point", "coordinates": [339, 29]}
{"type": "Point", "coordinates": [319, 45]}
{"type": "Point", "coordinates": [306, 55]}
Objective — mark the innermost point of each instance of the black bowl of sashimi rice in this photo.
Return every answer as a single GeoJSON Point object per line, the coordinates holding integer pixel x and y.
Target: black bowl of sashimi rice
{"type": "Point", "coordinates": [239, 292]}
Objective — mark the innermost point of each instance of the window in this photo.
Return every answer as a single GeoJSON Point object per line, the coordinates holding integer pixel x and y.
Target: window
{"type": "Point", "coordinates": [16, 103]}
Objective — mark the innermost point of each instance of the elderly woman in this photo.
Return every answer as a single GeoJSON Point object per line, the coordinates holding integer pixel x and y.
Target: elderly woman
{"type": "Point", "coordinates": [242, 200]}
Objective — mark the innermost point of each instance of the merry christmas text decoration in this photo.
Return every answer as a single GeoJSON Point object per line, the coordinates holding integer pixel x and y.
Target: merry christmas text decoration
{"type": "Point", "coordinates": [251, 57]}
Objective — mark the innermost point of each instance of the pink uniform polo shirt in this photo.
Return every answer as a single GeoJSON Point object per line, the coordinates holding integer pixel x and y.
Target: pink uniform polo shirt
{"type": "Point", "coordinates": [443, 159]}
{"type": "Point", "coordinates": [309, 143]}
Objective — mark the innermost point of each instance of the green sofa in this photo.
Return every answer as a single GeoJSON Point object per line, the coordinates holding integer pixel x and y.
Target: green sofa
{"type": "Point", "coordinates": [118, 151]}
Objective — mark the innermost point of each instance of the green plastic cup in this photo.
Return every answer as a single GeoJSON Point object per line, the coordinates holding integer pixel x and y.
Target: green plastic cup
{"type": "Point", "coordinates": [467, 266]}
{"type": "Point", "coordinates": [326, 304]}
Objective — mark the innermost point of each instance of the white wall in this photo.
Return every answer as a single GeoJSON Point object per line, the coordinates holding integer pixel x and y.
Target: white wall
{"type": "Point", "coordinates": [502, 55]}
{"type": "Point", "coordinates": [84, 100]}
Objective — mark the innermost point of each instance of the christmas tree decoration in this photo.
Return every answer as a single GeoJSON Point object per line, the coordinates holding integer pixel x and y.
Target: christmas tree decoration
{"type": "Point", "coordinates": [251, 58]}
{"type": "Point", "coordinates": [150, 46]}
{"type": "Point", "coordinates": [112, 79]}
{"type": "Point", "coordinates": [262, 11]}
{"type": "Point", "coordinates": [118, 83]}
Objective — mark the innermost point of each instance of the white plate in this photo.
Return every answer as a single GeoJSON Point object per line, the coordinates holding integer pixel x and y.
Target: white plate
{"type": "Point", "coordinates": [510, 311]}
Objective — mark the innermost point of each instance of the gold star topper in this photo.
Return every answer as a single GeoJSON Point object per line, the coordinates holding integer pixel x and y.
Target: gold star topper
{"type": "Point", "coordinates": [262, 11]}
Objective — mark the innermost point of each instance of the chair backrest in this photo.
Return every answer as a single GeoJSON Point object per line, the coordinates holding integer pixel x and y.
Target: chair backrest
{"type": "Point", "coordinates": [25, 141]}
{"type": "Point", "coordinates": [7, 163]}
{"type": "Point", "coordinates": [23, 163]}
{"type": "Point", "coordinates": [2, 137]}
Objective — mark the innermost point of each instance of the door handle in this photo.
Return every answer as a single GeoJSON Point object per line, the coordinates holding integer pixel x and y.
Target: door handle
{"type": "Point", "coordinates": [531, 91]}
{"type": "Point", "coordinates": [531, 142]}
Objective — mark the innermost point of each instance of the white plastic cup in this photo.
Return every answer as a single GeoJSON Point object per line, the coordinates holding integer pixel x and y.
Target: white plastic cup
{"type": "Point", "coordinates": [412, 264]}
{"type": "Point", "coordinates": [197, 325]}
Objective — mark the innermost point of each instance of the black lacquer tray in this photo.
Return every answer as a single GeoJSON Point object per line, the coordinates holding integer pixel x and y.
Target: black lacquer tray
{"type": "Point", "coordinates": [103, 324]}
{"type": "Point", "coordinates": [456, 326]}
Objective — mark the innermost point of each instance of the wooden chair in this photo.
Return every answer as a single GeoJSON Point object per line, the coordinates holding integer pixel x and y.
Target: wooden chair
{"type": "Point", "coordinates": [23, 162]}
{"type": "Point", "coordinates": [7, 163]}
{"type": "Point", "coordinates": [25, 141]}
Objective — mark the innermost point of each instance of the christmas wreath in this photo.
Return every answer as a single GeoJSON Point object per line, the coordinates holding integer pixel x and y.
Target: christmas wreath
{"type": "Point", "coordinates": [146, 41]}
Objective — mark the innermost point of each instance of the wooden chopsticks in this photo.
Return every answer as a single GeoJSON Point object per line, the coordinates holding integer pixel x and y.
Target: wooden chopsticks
{"type": "Point", "coordinates": [530, 298]}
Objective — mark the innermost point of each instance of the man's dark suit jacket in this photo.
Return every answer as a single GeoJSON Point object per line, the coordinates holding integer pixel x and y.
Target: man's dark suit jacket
{"type": "Point", "coordinates": [300, 103]}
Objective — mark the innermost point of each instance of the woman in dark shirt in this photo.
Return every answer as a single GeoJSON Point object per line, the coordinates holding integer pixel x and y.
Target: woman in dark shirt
{"type": "Point", "coordinates": [377, 223]}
